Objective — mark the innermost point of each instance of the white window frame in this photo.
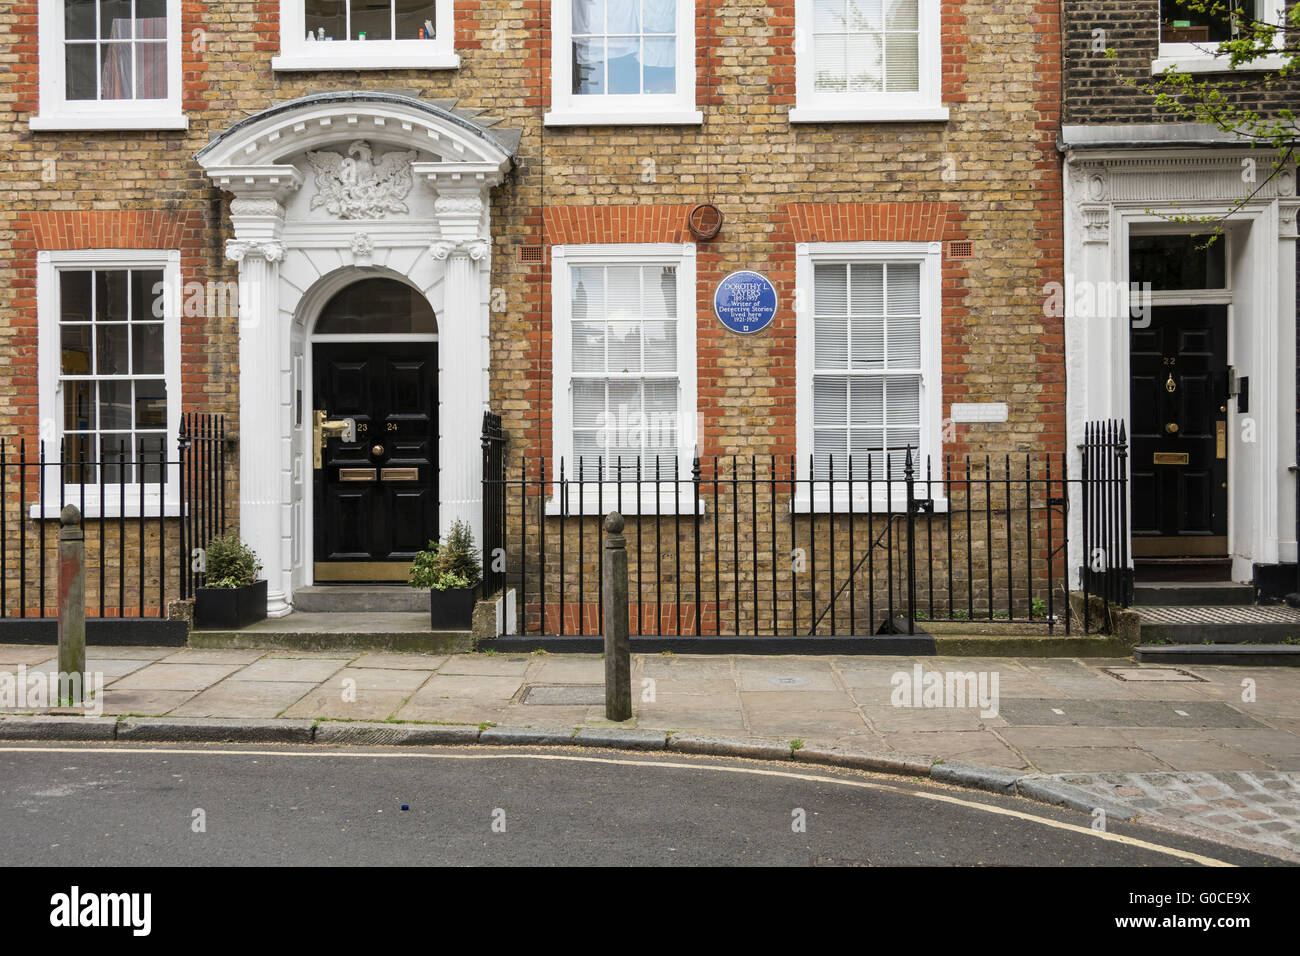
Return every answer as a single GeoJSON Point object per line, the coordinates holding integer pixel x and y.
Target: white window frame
{"type": "Point", "coordinates": [1204, 57]}
{"type": "Point", "coordinates": [929, 255]}
{"type": "Point", "coordinates": [49, 361]}
{"type": "Point", "coordinates": [595, 493]}
{"type": "Point", "coordinates": [59, 113]}
{"type": "Point", "coordinates": [925, 105]}
{"type": "Point", "coordinates": [296, 53]}
{"type": "Point", "coordinates": [621, 109]}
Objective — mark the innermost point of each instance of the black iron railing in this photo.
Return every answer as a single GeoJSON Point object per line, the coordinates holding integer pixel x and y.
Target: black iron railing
{"type": "Point", "coordinates": [144, 513]}
{"type": "Point", "coordinates": [759, 546]}
{"type": "Point", "coordinates": [494, 505]}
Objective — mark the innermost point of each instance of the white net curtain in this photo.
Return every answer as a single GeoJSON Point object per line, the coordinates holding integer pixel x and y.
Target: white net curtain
{"type": "Point", "coordinates": [624, 46]}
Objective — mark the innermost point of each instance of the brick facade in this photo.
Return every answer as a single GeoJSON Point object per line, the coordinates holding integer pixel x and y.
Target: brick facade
{"type": "Point", "coordinates": [990, 175]}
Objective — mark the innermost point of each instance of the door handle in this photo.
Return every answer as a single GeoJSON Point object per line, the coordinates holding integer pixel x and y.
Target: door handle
{"type": "Point", "coordinates": [1171, 428]}
{"type": "Point", "coordinates": [323, 429]}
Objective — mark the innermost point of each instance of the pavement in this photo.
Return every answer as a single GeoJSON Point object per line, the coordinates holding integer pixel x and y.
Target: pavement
{"type": "Point", "coordinates": [1211, 750]}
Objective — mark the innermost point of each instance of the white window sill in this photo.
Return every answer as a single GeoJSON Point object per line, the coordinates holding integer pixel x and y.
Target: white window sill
{"type": "Point", "coordinates": [631, 117]}
{"type": "Point", "coordinates": [820, 503]}
{"type": "Point", "coordinates": [591, 506]}
{"type": "Point", "coordinates": [107, 120]}
{"type": "Point", "coordinates": [368, 61]}
{"type": "Point", "coordinates": [171, 509]}
{"type": "Point", "coordinates": [913, 114]}
{"type": "Point", "coordinates": [1213, 64]}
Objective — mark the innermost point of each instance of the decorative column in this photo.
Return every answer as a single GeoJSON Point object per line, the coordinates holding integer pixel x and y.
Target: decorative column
{"type": "Point", "coordinates": [461, 209]}
{"type": "Point", "coordinates": [257, 214]}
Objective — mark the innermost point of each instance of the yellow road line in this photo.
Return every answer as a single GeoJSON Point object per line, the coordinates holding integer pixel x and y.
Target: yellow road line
{"type": "Point", "coordinates": [652, 762]}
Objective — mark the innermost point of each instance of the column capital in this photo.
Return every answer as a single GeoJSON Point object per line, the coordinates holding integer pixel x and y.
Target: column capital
{"type": "Point", "coordinates": [476, 249]}
{"type": "Point", "coordinates": [238, 250]}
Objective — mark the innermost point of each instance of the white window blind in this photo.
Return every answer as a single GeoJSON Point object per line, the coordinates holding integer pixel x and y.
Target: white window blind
{"type": "Point", "coordinates": [626, 381]}
{"type": "Point", "coordinates": [624, 46]}
{"type": "Point", "coordinates": [867, 365]}
{"type": "Point", "coordinates": [866, 46]}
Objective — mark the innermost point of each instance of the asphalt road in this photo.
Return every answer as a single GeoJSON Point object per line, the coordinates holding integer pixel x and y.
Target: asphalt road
{"type": "Point", "coordinates": [111, 804]}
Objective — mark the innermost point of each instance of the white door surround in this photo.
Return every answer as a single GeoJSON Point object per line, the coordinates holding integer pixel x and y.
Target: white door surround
{"type": "Point", "coordinates": [327, 190]}
{"type": "Point", "coordinates": [1113, 193]}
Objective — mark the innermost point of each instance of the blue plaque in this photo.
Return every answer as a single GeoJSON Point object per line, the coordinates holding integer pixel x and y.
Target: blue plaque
{"type": "Point", "coordinates": [745, 302]}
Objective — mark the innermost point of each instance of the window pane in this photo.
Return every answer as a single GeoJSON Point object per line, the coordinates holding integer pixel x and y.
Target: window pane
{"type": "Point", "coordinates": [146, 295]}
{"type": "Point", "coordinates": [81, 76]}
{"type": "Point", "coordinates": [79, 19]}
{"type": "Point", "coordinates": [868, 407]}
{"type": "Point", "coordinates": [659, 16]}
{"type": "Point", "coordinates": [1179, 24]}
{"type": "Point", "coordinates": [829, 16]}
{"type": "Point", "coordinates": [868, 289]}
{"type": "Point", "coordinates": [829, 55]}
{"type": "Point", "coordinates": [830, 290]}
{"type": "Point", "coordinates": [831, 343]}
{"type": "Point", "coordinates": [828, 442]}
{"type": "Point", "coordinates": [110, 296]}
{"type": "Point", "coordinates": [660, 346]}
{"type": "Point", "coordinates": [863, 59]}
{"type": "Point", "coordinates": [75, 349]}
{"type": "Point", "coordinates": [111, 350]}
{"type": "Point", "coordinates": [372, 20]}
{"type": "Point", "coordinates": [151, 71]}
{"type": "Point", "coordinates": [117, 453]}
{"type": "Point", "coordinates": [74, 296]}
{"type": "Point", "coordinates": [904, 289]}
{"type": "Point", "coordinates": [115, 19]}
{"type": "Point", "coordinates": [589, 65]}
{"type": "Point", "coordinates": [862, 15]}
{"type": "Point", "coordinates": [660, 66]}
{"type": "Point", "coordinates": [660, 292]}
{"type": "Point", "coordinates": [116, 75]}
{"type": "Point", "coordinates": [588, 17]}
{"type": "Point", "coordinates": [830, 400]}
{"type": "Point", "coordinates": [325, 18]}
{"type": "Point", "coordinates": [1175, 262]}
{"type": "Point", "coordinates": [901, 15]}
{"type": "Point", "coordinates": [414, 16]}
{"type": "Point", "coordinates": [624, 346]}
{"type": "Point", "coordinates": [903, 400]}
{"type": "Point", "coordinates": [868, 342]}
{"type": "Point", "coordinates": [623, 17]}
{"type": "Point", "coordinates": [115, 405]}
{"type": "Point", "coordinates": [588, 347]}
{"type": "Point", "coordinates": [151, 403]}
{"type": "Point", "coordinates": [904, 342]}
{"type": "Point", "coordinates": [623, 297]}
{"type": "Point", "coordinates": [902, 63]}
{"type": "Point", "coordinates": [624, 66]}
{"type": "Point", "coordinates": [588, 293]}
{"type": "Point", "coordinates": [147, 349]}
{"type": "Point", "coordinates": [153, 452]}
{"type": "Point", "coordinates": [150, 10]}
{"type": "Point", "coordinates": [588, 404]}
{"type": "Point", "coordinates": [372, 306]}
{"type": "Point", "coordinates": [78, 406]}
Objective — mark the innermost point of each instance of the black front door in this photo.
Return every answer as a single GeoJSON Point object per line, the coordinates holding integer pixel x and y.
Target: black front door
{"type": "Point", "coordinates": [375, 498]}
{"type": "Point", "coordinates": [1178, 410]}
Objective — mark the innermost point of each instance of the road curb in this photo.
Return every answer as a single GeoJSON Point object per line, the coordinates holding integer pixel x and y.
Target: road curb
{"type": "Point", "coordinates": [214, 730]}
{"type": "Point", "coordinates": [1037, 787]}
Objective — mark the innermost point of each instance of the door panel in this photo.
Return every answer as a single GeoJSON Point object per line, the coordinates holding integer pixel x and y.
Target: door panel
{"type": "Point", "coordinates": [1178, 398]}
{"type": "Point", "coordinates": [369, 527]}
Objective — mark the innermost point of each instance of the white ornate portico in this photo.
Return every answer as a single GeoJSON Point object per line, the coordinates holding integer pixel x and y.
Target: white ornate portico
{"type": "Point", "coordinates": [327, 190]}
{"type": "Point", "coordinates": [1121, 182]}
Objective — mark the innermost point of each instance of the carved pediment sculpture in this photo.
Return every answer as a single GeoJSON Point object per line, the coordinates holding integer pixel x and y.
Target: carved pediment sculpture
{"type": "Point", "coordinates": [357, 186]}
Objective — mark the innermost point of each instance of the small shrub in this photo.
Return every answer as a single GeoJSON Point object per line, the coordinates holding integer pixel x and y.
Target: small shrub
{"type": "Point", "coordinates": [450, 565]}
{"type": "Point", "coordinates": [231, 563]}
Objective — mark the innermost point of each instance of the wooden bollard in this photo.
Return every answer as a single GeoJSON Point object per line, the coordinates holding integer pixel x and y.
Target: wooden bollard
{"type": "Point", "coordinates": [72, 602]}
{"type": "Point", "coordinates": [618, 652]}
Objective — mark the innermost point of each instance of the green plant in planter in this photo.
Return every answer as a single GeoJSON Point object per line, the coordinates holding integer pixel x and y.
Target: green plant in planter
{"type": "Point", "coordinates": [451, 565]}
{"type": "Point", "coordinates": [231, 563]}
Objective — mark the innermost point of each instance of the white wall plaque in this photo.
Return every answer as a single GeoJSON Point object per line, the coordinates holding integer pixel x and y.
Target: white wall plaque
{"type": "Point", "coordinates": [979, 411]}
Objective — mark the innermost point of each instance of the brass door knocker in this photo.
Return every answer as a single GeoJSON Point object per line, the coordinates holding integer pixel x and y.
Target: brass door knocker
{"type": "Point", "coordinates": [1169, 385]}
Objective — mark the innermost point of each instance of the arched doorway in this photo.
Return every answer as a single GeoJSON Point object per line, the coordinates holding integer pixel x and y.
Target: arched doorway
{"type": "Point", "coordinates": [374, 360]}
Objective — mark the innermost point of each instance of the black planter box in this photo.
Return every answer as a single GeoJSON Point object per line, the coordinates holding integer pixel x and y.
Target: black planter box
{"type": "Point", "coordinates": [453, 609]}
{"type": "Point", "coordinates": [229, 608]}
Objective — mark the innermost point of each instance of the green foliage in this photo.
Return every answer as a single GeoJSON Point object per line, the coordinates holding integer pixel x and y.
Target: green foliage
{"type": "Point", "coordinates": [231, 563]}
{"type": "Point", "coordinates": [450, 565]}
